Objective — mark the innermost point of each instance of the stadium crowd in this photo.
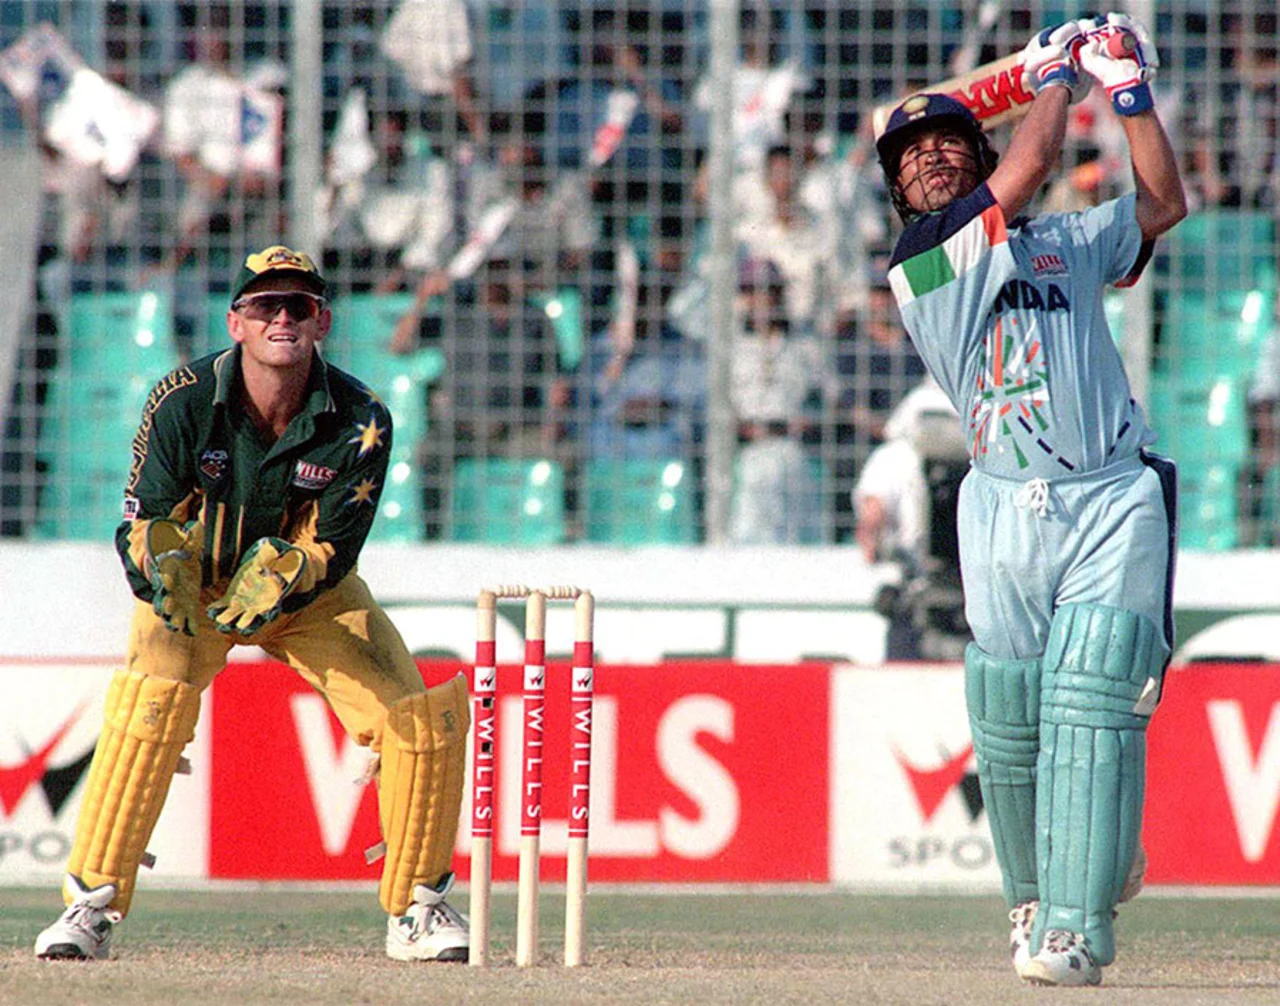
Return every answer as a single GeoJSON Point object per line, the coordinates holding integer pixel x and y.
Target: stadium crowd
{"type": "Point", "coordinates": [520, 191]}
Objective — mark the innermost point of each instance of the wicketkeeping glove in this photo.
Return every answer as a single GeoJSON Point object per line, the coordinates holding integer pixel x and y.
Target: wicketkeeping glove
{"type": "Point", "coordinates": [172, 564]}
{"type": "Point", "coordinates": [1126, 77]}
{"type": "Point", "coordinates": [267, 575]}
{"type": "Point", "coordinates": [1048, 60]}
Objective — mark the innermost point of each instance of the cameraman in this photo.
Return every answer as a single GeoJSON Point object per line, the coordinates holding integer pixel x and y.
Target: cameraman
{"type": "Point", "coordinates": [905, 506]}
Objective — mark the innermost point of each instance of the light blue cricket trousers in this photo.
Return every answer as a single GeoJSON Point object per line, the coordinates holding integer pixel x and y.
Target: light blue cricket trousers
{"type": "Point", "coordinates": [1105, 537]}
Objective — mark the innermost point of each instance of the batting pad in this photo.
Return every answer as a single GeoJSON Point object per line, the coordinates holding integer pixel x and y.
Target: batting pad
{"type": "Point", "coordinates": [147, 723]}
{"type": "Point", "coordinates": [1102, 673]}
{"type": "Point", "coordinates": [420, 788]}
{"type": "Point", "coordinates": [1003, 699]}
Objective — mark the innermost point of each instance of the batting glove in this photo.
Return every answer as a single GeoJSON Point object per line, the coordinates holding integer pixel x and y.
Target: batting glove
{"type": "Point", "coordinates": [1048, 60]}
{"type": "Point", "coordinates": [267, 575]}
{"type": "Point", "coordinates": [1118, 52]}
{"type": "Point", "coordinates": [173, 566]}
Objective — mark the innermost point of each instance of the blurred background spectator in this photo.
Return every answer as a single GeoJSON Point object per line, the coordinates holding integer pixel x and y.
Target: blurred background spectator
{"type": "Point", "coordinates": [776, 370]}
{"type": "Point", "coordinates": [1235, 114]}
{"type": "Point", "coordinates": [224, 132]}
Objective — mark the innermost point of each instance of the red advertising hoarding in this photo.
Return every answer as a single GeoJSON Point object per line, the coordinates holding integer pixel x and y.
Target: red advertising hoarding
{"type": "Point", "coordinates": [1213, 785]}
{"type": "Point", "coordinates": [703, 771]}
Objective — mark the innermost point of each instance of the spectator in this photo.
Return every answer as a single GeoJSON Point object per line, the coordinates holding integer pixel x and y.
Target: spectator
{"type": "Point", "coordinates": [775, 373]}
{"type": "Point", "coordinates": [761, 93]}
{"type": "Point", "coordinates": [503, 392]}
{"type": "Point", "coordinates": [617, 110]}
{"type": "Point", "coordinates": [398, 220]}
{"type": "Point", "coordinates": [618, 119]}
{"type": "Point", "coordinates": [90, 132]}
{"type": "Point", "coordinates": [840, 186]}
{"type": "Point", "coordinates": [454, 48]}
{"type": "Point", "coordinates": [893, 503]}
{"type": "Point", "coordinates": [517, 212]}
{"type": "Point", "coordinates": [1235, 127]}
{"type": "Point", "coordinates": [431, 42]}
{"type": "Point", "coordinates": [777, 226]}
{"type": "Point", "coordinates": [647, 382]}
{"type": "Point", "coordinates": [876, 363]}
{"type": "Point", "coordinates": [224, 134]}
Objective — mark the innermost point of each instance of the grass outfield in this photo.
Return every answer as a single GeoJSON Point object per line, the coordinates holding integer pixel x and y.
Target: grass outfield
{"type": "Point", "coordinates": [325, 949]}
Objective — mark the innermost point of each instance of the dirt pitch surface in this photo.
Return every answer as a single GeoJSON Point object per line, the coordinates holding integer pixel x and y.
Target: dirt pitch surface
{"type": "Point", "coordinates": [325, 949]}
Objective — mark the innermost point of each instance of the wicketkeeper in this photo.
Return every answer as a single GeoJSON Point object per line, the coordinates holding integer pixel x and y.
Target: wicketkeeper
{"type": "Point", "coordinates": [256, 476]}
{"type": "Point", "coordinates": [1066, 520]}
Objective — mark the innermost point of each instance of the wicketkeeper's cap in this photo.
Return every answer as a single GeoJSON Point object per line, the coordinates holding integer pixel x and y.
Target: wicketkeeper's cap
{"type": "Point", "coordinates": [278, 261]}
{"type": "Point", "coordinates": [918, 112]}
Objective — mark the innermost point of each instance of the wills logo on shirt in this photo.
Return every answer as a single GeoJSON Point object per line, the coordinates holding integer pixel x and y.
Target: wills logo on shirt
{"type": "Point", "coordinates": [309, 475]}
{"type": "Point", "coordinates": [214, 464]}
{"type": "Point", "coordinates": [1048, 265]}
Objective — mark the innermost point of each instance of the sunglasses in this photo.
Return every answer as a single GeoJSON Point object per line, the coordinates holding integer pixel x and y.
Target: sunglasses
{"type": "Point", "coordinates": [265, 306]}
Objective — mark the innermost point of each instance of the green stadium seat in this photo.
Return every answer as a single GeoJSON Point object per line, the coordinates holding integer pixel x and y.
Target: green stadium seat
{"type": "Point", "coordinates": [504, 501]}
{"type": "Point", "coordinates": [1208, 509]}
{"type": "Point", "coordinates": [564, 309]}
{"type": "Point", "coordinates": [362, 329]}
{"type": "Point", "coordinates": [640, 502]}
{"type": "Point", "coordinates": [1200, 421]}
{"type": "Point", "coordinates": [1220, 332]}
{"type": "Point", "coordinates": [113, 349]}
{"type": "Point", "coordinates": [1222, 248]}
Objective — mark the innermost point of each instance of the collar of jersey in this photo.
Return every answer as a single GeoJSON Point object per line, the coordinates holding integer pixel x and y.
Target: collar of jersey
{"type": "Point", "coordinates": [227, 366]}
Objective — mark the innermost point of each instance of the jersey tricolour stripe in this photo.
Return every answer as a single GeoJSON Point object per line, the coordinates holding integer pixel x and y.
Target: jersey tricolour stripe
{"type": "Point", "coordinates": [926, 272]}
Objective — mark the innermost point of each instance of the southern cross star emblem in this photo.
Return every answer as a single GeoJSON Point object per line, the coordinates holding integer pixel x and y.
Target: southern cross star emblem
{"type": "Point", "coordinates": [368, 435]}
{"type": "Point", "coordinates": [362, 492]}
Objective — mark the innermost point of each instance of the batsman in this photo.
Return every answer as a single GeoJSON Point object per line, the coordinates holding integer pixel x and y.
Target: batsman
{"type": "Point", "coordinates": [255, 480]}
{"type": "Point", "coordinates": [1066, 518]}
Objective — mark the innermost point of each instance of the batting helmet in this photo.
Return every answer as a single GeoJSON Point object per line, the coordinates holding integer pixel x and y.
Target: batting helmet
{"type": "Point", "coordinates": [928, 111]}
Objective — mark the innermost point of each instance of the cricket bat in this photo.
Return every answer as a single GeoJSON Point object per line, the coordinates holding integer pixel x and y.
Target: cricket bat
{"type": "Point", "coordinates": [993, 91]}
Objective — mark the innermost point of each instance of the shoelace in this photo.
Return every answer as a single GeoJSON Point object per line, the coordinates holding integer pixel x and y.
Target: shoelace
{"type": "Point", "coordinates": [448, 915]}
{"type": "Point", "coordinates": [1034, 496]}
{"type": "Point", "coordinates": [427, 918]}
{"type": "Point", "coordinates": [85, 916]}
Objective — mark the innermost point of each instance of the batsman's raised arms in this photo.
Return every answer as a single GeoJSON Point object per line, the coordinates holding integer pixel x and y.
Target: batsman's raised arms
{"type": "Point", "coordinates": [995, 92]}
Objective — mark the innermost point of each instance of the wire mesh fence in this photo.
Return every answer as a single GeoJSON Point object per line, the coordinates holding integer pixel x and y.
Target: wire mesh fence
{"type": "Point", "coordinates": [514, 204]}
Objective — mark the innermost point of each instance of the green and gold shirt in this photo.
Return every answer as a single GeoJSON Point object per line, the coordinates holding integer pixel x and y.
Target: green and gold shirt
{"type": "Point", "coordinates": [198, 456]}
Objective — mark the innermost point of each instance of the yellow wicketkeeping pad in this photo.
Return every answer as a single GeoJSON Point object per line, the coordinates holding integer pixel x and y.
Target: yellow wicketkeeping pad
{"type": "Point", "coordinates": [420, 788]}
{"type": "Point", "coordinates": [147, 723]}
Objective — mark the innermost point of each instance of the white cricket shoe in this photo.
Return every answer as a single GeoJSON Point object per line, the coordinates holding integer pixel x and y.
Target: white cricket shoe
{"type": "Point", "coordinates": [430, 930]}
{"type": "Point", "coordinates": [83, 931]}
{"type": "Point", "coordinates": [1063, 960]}
{"type": "Point", "coordinates": [1021, 919]}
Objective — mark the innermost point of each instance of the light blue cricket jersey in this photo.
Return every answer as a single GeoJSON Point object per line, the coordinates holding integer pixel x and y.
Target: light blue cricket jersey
{"type": "Point", "coordinates": [1010, 322]}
